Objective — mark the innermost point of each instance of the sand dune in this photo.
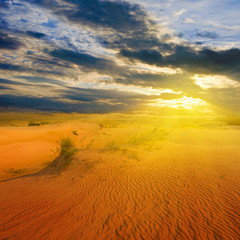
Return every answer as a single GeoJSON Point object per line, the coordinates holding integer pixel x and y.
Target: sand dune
{"type": "Point", "coordinates": [187, 187]}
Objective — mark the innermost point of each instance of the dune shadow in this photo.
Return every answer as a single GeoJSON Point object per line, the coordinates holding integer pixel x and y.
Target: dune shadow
{"type": "Point", "coordinates": [56, 167]}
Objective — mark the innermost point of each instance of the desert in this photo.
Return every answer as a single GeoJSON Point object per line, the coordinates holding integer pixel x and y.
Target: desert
{"type": "Point", "coordinates": [172, 179]}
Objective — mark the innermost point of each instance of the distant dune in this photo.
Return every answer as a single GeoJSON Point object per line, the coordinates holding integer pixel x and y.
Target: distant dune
{"type": "Point", "coordinates": [125, 182]}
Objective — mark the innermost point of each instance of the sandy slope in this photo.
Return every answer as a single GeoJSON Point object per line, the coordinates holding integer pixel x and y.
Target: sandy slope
{"type": "Point", "coordinates": [22, 147]}
{"type": "Point", "coordinates": [187, 188]}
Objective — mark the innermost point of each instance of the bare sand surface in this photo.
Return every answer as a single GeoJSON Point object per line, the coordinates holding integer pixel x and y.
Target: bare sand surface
{"type": "Point", "coordinates": [182, 183]}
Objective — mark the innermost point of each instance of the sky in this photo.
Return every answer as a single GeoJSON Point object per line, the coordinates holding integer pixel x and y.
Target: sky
{"type": "Point", "coordinates": [101, 56]}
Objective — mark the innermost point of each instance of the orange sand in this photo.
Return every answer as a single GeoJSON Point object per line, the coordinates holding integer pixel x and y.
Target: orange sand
{"type": "Point", "coordinates": [184, 186]}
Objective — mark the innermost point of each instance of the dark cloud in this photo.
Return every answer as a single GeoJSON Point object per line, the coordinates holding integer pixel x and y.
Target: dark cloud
{"type": "Point", "coordinates": [46, 62]}
{"type": "Point", "coordinates": [10, 43]}
{"type": "Point", "coordinates": [4, 87]}
{"type": "Point", "coordinates": [120, 24]}
{"type": "Point", "coordinates": [3, 24]}
{"type": "Point", "coordinates": [82, 59]}
{"type": "Point", "coordinates": [33, 103]}
{"type": "Point", "coordinates": [76, 57]}
{"type": "Point", "coordinates": [128, 22]}
{"type": "Point", "coordinates": [10, 82]}
{"type": "Point", "coordinates": [48, 72]}
{"type": "Point", "coordinates": [4, 4]}
{"type": "Point", "coordinates": [130, 30]}
{"type": "Point", "coordinates": [46, 3]}
{"type": "Point", "coordinates": [147, 56]}
{"type": "Point", "coordinates": [118, 15]}
{"type": "Point", "coordinates": [83, 94]}
{"type": "Point", "coordinates": [176, 82]}
{"type": "Point", "coordinates": [44, 70]}
{"type": "Point", "coordinates": [11, 67]}
{"type": "Point", "coordinates": [4, 81]}
{"type": "Point", "coordinates": [204, 61]}
{"type": "Point", "coordinates": [36, 79]}
{"type": "Point", "coordinates": [76, 100]}
{"type": "Point", "coordinates": [36, 34]}
{"type": "Point", "coordinates": [207, 34]}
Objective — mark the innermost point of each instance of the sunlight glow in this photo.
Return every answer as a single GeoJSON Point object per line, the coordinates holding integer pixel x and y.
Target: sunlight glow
{"type": "Point", "coordinates": [184, 102]}
{"type": "Point", "coordinates": [214, 81]}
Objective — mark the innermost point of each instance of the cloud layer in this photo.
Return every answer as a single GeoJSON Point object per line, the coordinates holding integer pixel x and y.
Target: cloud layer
{"type": "Point", "coordinates": [109, 56]}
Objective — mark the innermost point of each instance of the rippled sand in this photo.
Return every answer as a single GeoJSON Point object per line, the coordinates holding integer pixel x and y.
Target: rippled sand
{"type": "Point", "coordinates": [184, 186]}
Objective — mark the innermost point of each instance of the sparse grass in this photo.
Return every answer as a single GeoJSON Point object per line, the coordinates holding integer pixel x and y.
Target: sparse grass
{"type": "Point", "coordinates": [90, 145]}
{"type": "Point", "coordinates": [46, 163]}
{"type": "Point", "coordinates": [75, 133]}
{"type": "Point", "coordinates": [111, 146]}
{"type": "Point", "coordinates": [16, 172]}
{"type": "Point", "coordinates": [65, 152]}
{"type": "Point", "coordinates": [32, 123]}
{"type": "Point", "coordinates": [133, 155]}
{"type": "Point", "coordinates": [148, 136]}
{"type": "Point", "coordinates": [109, 124]}
{"type": "Point", "coordinates": [66, 148]}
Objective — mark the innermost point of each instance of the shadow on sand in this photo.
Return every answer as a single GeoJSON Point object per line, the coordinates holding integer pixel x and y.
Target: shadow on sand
{"type": "Point", "coordinates": [56, 167]}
